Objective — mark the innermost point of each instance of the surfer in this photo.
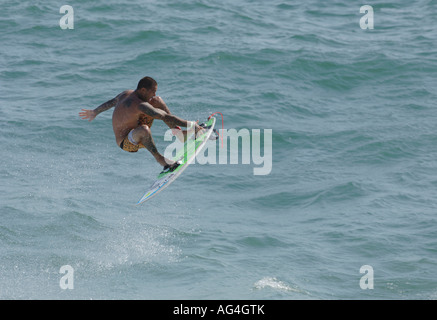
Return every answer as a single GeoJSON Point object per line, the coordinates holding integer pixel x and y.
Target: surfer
{"type": "Point", "coordinates": [133, 116]}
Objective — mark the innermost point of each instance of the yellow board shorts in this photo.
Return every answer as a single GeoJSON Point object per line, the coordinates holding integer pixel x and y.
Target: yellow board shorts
{"type": "Point", "coordinates": [130, 145]}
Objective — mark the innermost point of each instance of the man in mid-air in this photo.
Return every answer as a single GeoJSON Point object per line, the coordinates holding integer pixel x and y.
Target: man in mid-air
{"type": "Point", "coordinates": [133, 116]}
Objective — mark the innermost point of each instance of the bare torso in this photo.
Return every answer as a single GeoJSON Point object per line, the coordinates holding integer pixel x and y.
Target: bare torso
{"type": "Point", "coordinates": [127, 115]}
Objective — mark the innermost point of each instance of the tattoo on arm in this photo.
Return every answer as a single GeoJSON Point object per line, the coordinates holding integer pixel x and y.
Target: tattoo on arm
{"type": "Point", "coordinates": [155, 113]}
{"type": "Point", "coordinates": [151, 111]}
{"type": "Point", "coordinates": [106, 106]}
{"type": "Point", "coordinates": [164, 108]}
{"type": "Point", "coordinates": [173, 121]}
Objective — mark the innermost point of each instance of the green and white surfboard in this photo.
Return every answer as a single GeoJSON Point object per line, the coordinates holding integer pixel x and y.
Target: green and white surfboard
{"type": "Point", "coordinates": [186, 155]}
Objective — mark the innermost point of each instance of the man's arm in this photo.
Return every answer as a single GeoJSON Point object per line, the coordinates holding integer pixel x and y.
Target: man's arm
{"type": "Point", "coordinates": [157, 113]}
{"type": "Point", "coordinates": [106, 106]}
{"type": "Point", "coordinates": [91, 114]}
{"type": "Point", "coordinates": [170, 120]}
{"type": "Point", "coordinates": [157, 102]}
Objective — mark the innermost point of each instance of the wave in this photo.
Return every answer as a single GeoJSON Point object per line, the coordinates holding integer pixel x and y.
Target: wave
{"type": "Point", "coordinates": [275, 284]}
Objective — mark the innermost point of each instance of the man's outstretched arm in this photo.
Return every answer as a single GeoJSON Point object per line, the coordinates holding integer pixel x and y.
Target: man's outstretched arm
{"type": "Point", "coordinates": [91, 114]}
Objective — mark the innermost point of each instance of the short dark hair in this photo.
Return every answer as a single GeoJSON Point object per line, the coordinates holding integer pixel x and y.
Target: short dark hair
{"type": "Point", "coordinates": [147, 82]}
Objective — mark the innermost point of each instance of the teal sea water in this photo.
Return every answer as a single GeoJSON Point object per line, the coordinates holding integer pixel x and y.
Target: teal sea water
{"type": "Point", "coordinates": [354, 149]}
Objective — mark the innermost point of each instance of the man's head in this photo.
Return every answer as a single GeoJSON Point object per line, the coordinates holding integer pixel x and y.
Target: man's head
{"type": "Point", "coordinates": [147, 87]}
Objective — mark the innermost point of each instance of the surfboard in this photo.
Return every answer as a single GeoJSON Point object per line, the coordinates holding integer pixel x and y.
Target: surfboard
{"type": "Point", "coordinates": [186, 156]}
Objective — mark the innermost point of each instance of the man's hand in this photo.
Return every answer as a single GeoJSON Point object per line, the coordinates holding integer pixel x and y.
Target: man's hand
{"type": "Point", "coordinates": [199, 130]}
{"type": "Point", "coordinates": [87, 114]}
{"type": "Point", "coordinates": [156, 101]}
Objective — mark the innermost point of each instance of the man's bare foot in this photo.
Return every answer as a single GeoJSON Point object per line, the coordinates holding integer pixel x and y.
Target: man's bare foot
{"type": "Point", "coordinates": [200, 130]}
{"type": "Point", "coordinates": [171, 167]}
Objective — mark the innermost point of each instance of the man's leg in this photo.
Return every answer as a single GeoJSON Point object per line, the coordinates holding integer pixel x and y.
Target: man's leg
{"type": "Point", "coordinates": [143, 135]}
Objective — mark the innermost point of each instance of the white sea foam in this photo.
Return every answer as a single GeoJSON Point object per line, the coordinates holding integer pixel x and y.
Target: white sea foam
{"type": "Point", "coordinates": [273, 283]}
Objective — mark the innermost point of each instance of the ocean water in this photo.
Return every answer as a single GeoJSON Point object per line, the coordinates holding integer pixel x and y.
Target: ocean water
{"type": "Point", "coordinates": [354, 148]}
